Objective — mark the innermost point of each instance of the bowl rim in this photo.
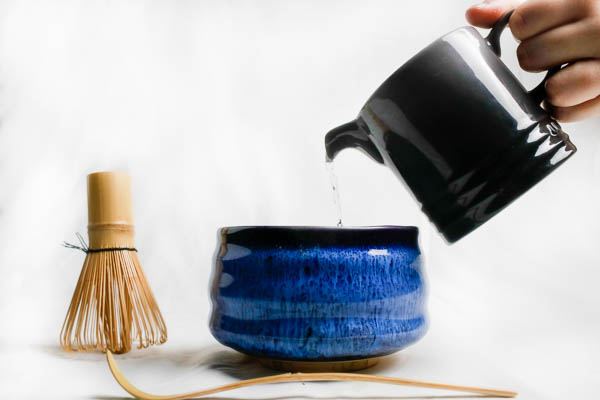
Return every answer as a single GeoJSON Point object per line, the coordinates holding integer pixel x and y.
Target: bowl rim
{"type": "Point", "coordinates": [291, 236]}
{"type": "Point", "coordinates": [235, 228]}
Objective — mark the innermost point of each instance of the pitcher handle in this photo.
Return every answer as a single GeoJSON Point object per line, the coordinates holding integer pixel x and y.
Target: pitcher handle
{"type": "Point", "coordinates": [493, 39]}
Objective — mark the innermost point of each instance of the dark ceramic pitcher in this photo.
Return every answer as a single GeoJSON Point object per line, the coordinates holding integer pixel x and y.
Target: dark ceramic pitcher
{"type": "Point", "coordinates": [459, 129]}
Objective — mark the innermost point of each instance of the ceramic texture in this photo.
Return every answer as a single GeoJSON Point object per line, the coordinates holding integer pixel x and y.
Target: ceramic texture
{"type": "Point", "coordinates": [460, 130]}
{"type": "Point", "coordinates": [318, 294]}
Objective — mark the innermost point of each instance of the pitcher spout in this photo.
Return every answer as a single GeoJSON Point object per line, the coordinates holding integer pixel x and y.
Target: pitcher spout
{"type": "Point", "coordinates": [350, 135]}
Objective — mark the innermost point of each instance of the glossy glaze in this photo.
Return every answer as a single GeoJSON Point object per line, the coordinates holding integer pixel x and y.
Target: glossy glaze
{"type": "Point", "coordinates": [318, 294]}
{"type": "Point", "coordinates": [460, 130]}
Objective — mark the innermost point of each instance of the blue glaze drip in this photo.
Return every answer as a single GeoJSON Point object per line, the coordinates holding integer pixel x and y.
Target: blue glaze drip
{"type": "Point", "coordinates": [302, 300]}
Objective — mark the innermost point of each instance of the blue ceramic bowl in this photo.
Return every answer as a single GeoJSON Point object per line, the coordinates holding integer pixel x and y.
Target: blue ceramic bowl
{"type": "Point", "coordinates": [318, 294]}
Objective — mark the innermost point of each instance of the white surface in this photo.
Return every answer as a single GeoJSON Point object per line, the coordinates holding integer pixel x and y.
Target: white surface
{"type": "Point", "coordinates": [218, 109]}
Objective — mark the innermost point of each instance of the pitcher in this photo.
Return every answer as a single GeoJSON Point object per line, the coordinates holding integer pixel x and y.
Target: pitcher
{"type": "Point", "coordinates": [459, 129]}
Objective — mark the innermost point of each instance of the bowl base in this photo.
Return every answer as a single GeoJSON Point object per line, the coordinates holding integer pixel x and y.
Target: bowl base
{"type": "Point", "coordinates": [318, 366]}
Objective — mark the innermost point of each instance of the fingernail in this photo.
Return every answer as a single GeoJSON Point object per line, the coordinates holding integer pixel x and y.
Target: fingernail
{"type": "Point", "coordinates": [486, 4]}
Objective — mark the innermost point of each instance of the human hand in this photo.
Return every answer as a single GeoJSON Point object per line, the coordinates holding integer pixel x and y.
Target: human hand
{"type": "Point", "coordinates": [555, 32]}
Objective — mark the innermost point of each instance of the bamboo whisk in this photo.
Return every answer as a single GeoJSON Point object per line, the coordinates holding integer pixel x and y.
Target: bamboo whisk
{"type": "Point", "coordinates": [113, 304]}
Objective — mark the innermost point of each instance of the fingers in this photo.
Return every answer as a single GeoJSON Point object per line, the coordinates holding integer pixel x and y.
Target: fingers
{"type": "Point", "coordinates": [579, 112]}
{"type": "Point", "coordinates": [574, 92]}
{"type": "Point", "coordinates": [485, 14]}
{"type": "Point", "coordinates": [561, 45]}
{"type": "Point", "coordinates": [538, 16]}
{"type": "Point", "coordinates": [574, 84]}
{"type": "Point", "coordinates": [555, 32]}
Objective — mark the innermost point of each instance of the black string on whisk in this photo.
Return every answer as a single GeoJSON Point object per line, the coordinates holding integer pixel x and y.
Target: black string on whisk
{"type": "Point", "coordinates": [86, 249]}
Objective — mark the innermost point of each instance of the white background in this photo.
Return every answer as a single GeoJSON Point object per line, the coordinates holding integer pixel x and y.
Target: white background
{"type": "Point", "coordinates": [218, 110]}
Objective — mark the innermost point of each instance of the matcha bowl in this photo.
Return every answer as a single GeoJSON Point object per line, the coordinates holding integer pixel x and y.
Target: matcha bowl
{"type": "Point", "coordinates": [318, 298]}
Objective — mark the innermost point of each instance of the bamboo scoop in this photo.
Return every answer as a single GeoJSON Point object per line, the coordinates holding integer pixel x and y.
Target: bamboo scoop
{"type": "Point", "coordinates": [113, 304]}
{"type": "Point", "coordinates": [296, 377]}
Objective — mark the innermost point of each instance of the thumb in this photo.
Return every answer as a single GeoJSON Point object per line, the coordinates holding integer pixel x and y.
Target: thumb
{"type": "Point", "coordinates": [485, 14]}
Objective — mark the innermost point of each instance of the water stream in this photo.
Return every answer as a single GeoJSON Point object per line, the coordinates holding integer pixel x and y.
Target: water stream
{"type": "Point", "coordinates": [336, 194]}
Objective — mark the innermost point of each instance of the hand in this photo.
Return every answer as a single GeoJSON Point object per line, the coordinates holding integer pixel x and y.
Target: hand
{"type": "Point", "coordinates": [555, 32]}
